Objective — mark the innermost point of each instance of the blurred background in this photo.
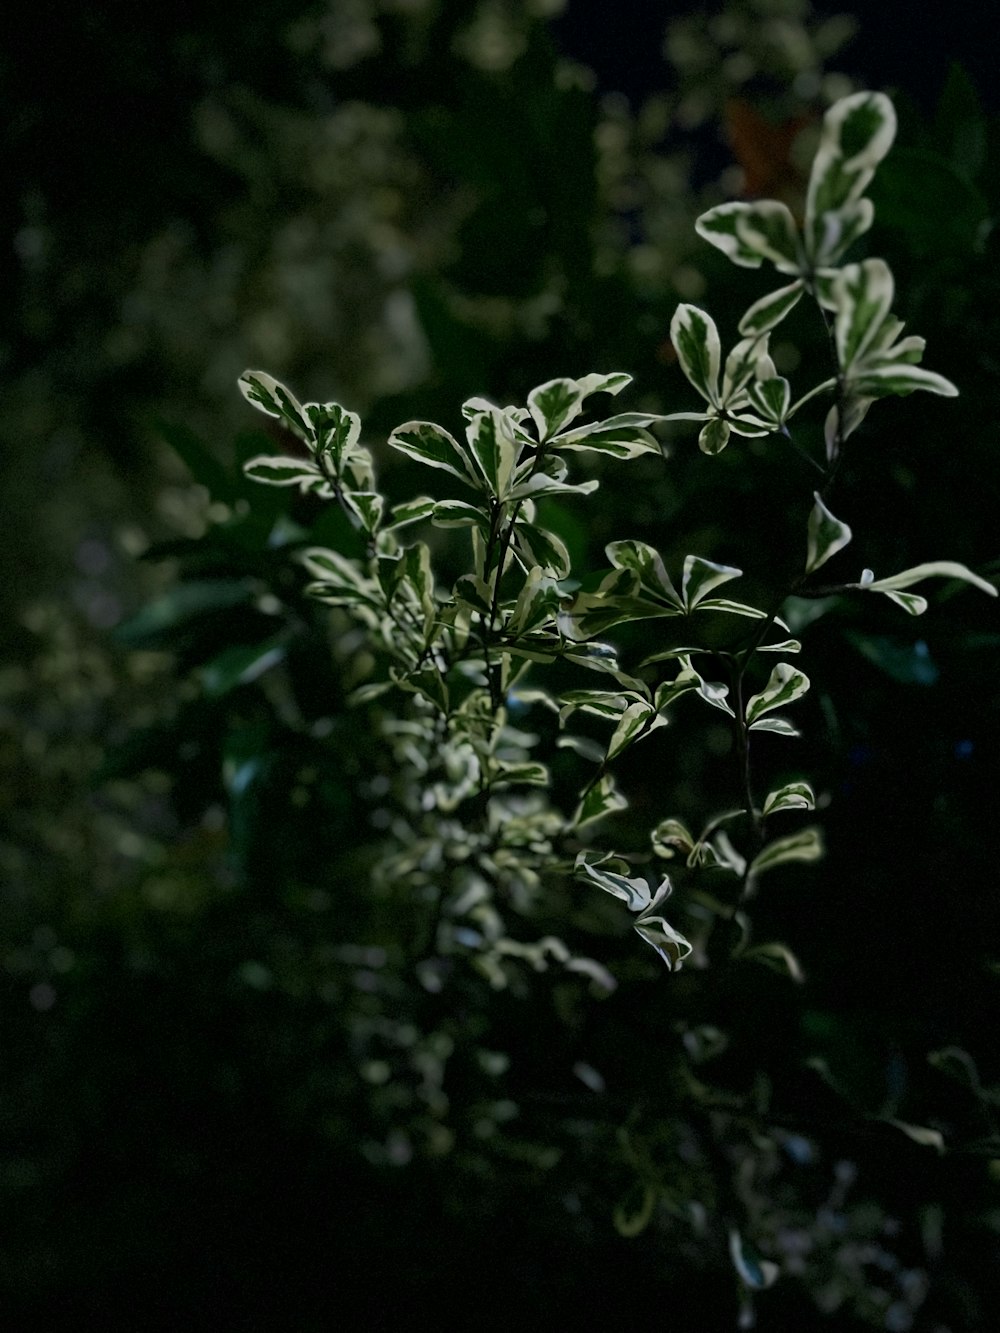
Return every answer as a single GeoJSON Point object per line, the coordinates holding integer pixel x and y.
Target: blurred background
{"type": "Point", "coordinates": [224, 1096]}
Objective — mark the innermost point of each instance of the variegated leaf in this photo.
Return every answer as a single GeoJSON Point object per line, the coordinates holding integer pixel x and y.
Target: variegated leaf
{"type": "Point", "coordinates": [701, 576]}
{"type": "Point", "coordinates": [863, 296]}
{"type": "Point", "coordinates": [696, 342]}
{"type": "Point", "coordinates": [826, 535]}
{"type": "Point", "coordinates": [806, 845]}
{"type": "Point", "coordinates": [602, 799]}
{"type": "Point", "coordinates": [278, 470]}
{"type": "Point", "coordinates": [792, 796]}
{"type": "Point", "coordinates": [786, 684]}
{"type": "Point", "coordinates": [265, 393]}
{"type": "Point", "coordinates": [767, 313]}
{"type": "Point", "coordinates": [433, 445]}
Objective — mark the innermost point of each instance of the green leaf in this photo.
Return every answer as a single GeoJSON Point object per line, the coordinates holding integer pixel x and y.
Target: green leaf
{"type": "Point", "coordinates": [713, 692]}
{"type": "Point", "coordinates": [770, 310]}
{"type": "Point", "coordinates": [528, 774]}
{"type": "Point", "coordinates": [265, 393]}
{"type": "Point", "coordinates": [334, 431]}
{"type": "Point", "coordinates": [537, 603]}
{"type": "Point", "coordinates": [857, 133]}
{"type": "Point", "coordinates": [744, 362]}
{"type": "Point", "coordinates": [767, 228]}
{"type": "Point", "coordinates": [720, 227]}
{"type": "Point", "coordinates": [881, 381]}
{"type": "Point", "coordinates": [701, 576]}
{"type": "Point", "coordinates": [554, 405]}
{"type": "Point", "coordinates": [472, 591]}
{"type": "Point", "coordinates": [279, 470]}
{"type": "Point", "coordinates": [863, 295]}
{"type": "Point", "coordinates": [621, 436]}
{"type": "Point", "coordinates": [670, 837]}
{"type": "Point", "coordinates": [240, 664]}
{"type": "Point", "coordinates": [771, 398]}
{"type": "Point", "coordinates": [542, 548]}
{"type": "Point", "coordinates": [608, 873]}
{"type": "Point", "coordinates": [602, 799]}
{"type": "Point", "coordinates": [827, 535]}
{"type": "Point", "coordinates": [779, 725]}
{"type": "Point", "coordinates": [634, 722]}
{"type": "Point", "coordinates": [696, 342]}
{"type": "Point", "coordinates": [494, 449]}
{"type": "Point", "coordinates": [601, 703]}
{"type": "Point", "coordinates": [458, 514]}
{"type": "Point", "coordinates": [433, 445]}
{"type": "Point", "coordinates": [410, 511]}
{"type": "Point", "coordinates": [367, 505]}
{"type": "Point", "coordinates": [806, 845]}
{"type": "Point", "coordinates": [792, 796]}
{"type": "Point", "coordinates": [946, 569]}
{"type": "Point", "coordinates": [714, 436]}
{"type": "Point", "coordinates": [646, 563]}
{"type": "Point", "coordinates": [785, 685]}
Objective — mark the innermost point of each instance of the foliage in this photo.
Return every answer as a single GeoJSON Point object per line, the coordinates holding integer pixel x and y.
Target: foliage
{"type": "Point", "coordinates": [220, 922]}
{"type": "Point", "coordinates": [482, 834]}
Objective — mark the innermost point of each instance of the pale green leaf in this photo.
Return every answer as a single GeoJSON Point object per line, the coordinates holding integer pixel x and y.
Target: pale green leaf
{"type": "Point", "coordinates": [880, 381]}
{"type": "Point", "coordinates": [278, 470]}
{"type": "Point", "coordinates": [806, 845]}
{"type": "Point", "coordinates": [779, 957]}
{"type": "Point", "coordinates": [647, 565]}
{"type": "Point", "coordinates": [410, 511]}
{"type": "Point", "coordinates": [826, 535]}
{"type": "Point", "coordinates": [946, 569]}
{"type": "Point", "coordinates": [633, 723]}
{"type": "Point", "coordinates": [669, 943]}
{"type": "Point", "coordinates": [538, 546]}
{"type": "Point", "coordinates": [786, 684]}
{"type": "Point", "coordinates": [670, 837]}
{"type": "Point", "coordinates": [701, 576]}
{"type": "Point", "coordinates": [608, 873]}
{"type": "Point", "coordinates": [779, 725]}
{"type": "Point", "coordinates": [458, 514]}
{"type": "Point", "coordinates": [927, 1138]}
{"type": "Point", "coordinates": [792, 796]}
{"type": "Point", "coordinates": [863, 295]}
{"type": "Point", "coordinates": [602, 799]}
{"type": "Point", "coordinates": [768, 229]}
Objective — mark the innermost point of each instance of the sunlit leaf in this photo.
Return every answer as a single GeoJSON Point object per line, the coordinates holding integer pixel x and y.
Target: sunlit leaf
{"type": "Point", "coordinates": [701, 576]}
{"type": "Point", "coordinates": [602, 799]}
{"type": "Point", "coordinates": [806, 845]}
{"type": "Point", "coordinates": [608, 872]}
{"type": "Point", "coordinates": [792, 796]}
{"type": "Point", "coordinates": [826, 535]}
{"type": "Point", "coordinates": [786, 684]}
